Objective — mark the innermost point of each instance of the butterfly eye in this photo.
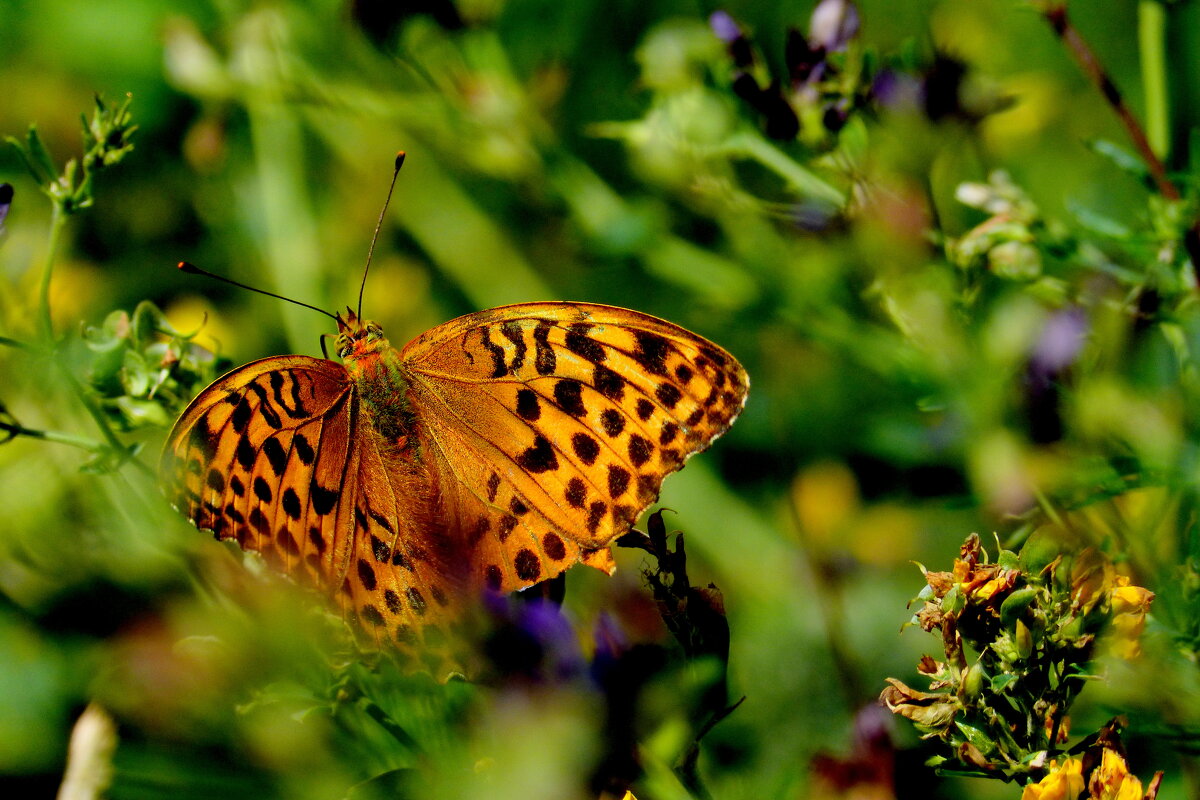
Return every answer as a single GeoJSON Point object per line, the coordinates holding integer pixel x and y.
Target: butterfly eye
{"type": "Point", "coordinates": [374, 331]}
{"type": "Point", "coordinates": [342, 345]}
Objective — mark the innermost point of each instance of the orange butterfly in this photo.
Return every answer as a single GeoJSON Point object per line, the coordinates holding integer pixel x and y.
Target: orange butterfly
{"type": "Point", "coordinates": [495, 451]}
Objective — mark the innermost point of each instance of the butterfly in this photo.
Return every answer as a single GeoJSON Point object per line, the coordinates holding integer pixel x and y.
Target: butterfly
{"type": "Point", "coordinates": [493, 451]}
{"type": "Point", "coordinates": [490, 453]}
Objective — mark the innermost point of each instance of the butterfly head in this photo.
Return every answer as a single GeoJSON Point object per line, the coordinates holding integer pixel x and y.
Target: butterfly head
{"type": "Point", "coordinates": [358, 338]}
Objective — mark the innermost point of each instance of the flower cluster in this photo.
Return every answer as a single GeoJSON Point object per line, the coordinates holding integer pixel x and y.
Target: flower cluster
{"type": "Point", "coordinates": [1018, 635]}
{"type": "Point", "coordinates": [822, 87]}
{"type": "Point", "coordinates": [142, 370]}
{"type": "Point", "coordinates": [1100, 771]}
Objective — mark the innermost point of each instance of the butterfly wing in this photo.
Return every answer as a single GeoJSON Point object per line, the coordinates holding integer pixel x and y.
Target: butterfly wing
{"type": "Point", "coordinates": [550, 426]}
{"type": "Point", "coordinates": [279, 455]}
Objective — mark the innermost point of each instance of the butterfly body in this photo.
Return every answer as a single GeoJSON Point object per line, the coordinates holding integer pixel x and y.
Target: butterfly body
{"type": "Point", "coordinates": [491, 452]}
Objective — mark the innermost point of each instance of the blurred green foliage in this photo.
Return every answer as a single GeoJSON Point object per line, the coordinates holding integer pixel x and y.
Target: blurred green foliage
{"type": "Point", "coordinates": [963, 302]}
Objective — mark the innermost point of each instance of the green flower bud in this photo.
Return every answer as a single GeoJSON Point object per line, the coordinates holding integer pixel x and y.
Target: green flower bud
{"type": "Point", "coordinates": [1015, 604]}
{"type": "Point", "coordinates": [972, 681]}
{"type": "Point", "coordinates": [1024, 640]}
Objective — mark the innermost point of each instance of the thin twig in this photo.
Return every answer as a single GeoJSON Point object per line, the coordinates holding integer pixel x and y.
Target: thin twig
{"type": "Point", "coordinates": [15, 429]}
{"type": "Point", "coordinates": [1056, 14]}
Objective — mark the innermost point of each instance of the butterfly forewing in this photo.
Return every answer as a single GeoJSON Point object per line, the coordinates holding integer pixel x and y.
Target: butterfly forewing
{"type": "Point", "coordinates": [576, 412]}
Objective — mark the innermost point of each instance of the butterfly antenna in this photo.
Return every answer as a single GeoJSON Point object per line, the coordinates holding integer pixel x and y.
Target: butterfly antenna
{"type": "Point", "coordinates": [378, 225]}
{"type": "Point", "coordinates": [192, 269]}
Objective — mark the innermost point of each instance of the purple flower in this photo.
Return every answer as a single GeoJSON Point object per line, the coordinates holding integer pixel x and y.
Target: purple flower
{"type": "Point", "coordinates": [1060, 342]}
{"type": "Point", "coordinates": [724, 27]}
{"type": "Point", "coordinates": [833, 24]}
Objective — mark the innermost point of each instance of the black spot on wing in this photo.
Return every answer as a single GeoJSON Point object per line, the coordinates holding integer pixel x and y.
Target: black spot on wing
{"type": "Point", "coordinates": [644, 409]}
{"type": "Point", "coordinates": [651, 352]}
{"type": "Point", "coordinates": [668, 394]}
{"type": "Point", "coordinates": [528, 565]}
{"type": "Point", "coordinates": [545, 362]}
{"type": "Point", "coordinates": [579, 343]}
{"type": "Point", "coordinates": [639, 450]}
{"type": "Point", "coordinates": [539, 457]}
{"type": "Point", "coordinates": [527, 405]}
{"type": "Point", "coordinates": [303, 449]}
{"type": "Point", "coordinates": [291, 503]}
{"type": "Point", "coordinates": [608, 382]}
{"type": "Point", "coordinates": [392, 601]}
{"type": "Point", "coordinates": [507, 523]}
{"type": "Point", "coordinates": [492, 485]}
{"type": "Point", "coordinates": [241, 415]}
{"type": "Point", "coordinates": [245, 453]}
{"type": "Point", "coordinates": [366, 574]}
{"type": "Point", "coordinates": [612, 421]}
{"type": "Point", "coordinates": [669, 431]}
{"type": "Point", "coordinates": [323, 500]}
{"type": "Point", "coordinates": [277, 380]}
{"type": "Point", "coordinates": [262, 490]}
{"type": "Point", "coordinates": [275, 454]}
{"type": "Point", "coordinates": [202, 438]}
{"type": "Point", "coordinates": [568, 394]}
{"type": "Point", "coordinates": [381, 521]}
{"type": "Point", "coordinates": [596, 512]}
{"type": "Point", "coordinates": [618, 480]}
{"type": "Point", "coordinates": [554, 547]}
{"type": "Point", "coordinates": [717, 358]}
{"type": "Point", "coordinates": [314, 536]}
{"type": "Point", "coordinates": [264, 405]}
{"type": "Point", "coordinates": [380, 549]}
{"type": "Point", "coordinates": [576, 492]}
{"type": "Point", "coordinates": [512, 332]}
{"type": "Point", "coordinates": [416, 601]}
{"type": "Point", "coordinates": [585, 447]}
{"type": "Point", "coordinates": [499, 369]}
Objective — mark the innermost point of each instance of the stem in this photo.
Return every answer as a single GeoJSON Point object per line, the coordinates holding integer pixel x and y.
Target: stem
{"type": "Point", "coordinates": [804, 181]}
{"type": "Point", "coordinates": [57, 221]}
{"type": "Point", "coordinates": [1152, 21]}
{"type": "Point", "coordinates": [110, 436]}
{"type": "Point", "coordinates": [16, 429]}
{"type": "Point", "coordinates": [16, 343]}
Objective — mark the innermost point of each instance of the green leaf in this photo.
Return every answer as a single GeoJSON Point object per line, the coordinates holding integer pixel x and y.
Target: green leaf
{"type": "Point", "coordinates": [1098, 223]}
{"type": "Point", "coordinates": [39, 155]}
{"type": "Point", "coordinates": [1124, 160]}
{"type": "Point", "coordinates": [1000, 682]}
{"type": "Point", "coordinates": [977, 737]}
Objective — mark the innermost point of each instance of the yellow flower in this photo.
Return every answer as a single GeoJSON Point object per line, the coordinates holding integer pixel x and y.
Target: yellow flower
{"type": "Point", "coordinates": [1112, 781]}
{"type": "Point", "coordinates": [1130, 604]}
{"type": "Point", "coordinates": [1063, 782]}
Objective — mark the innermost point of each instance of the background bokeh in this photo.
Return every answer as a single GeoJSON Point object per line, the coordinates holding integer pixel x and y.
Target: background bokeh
{"type": "Point", "coordinates": [592, 151]}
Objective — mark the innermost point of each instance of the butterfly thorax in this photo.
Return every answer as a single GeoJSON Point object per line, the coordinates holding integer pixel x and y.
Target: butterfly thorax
{"type": "Point", "coordinates": [376, 370]}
